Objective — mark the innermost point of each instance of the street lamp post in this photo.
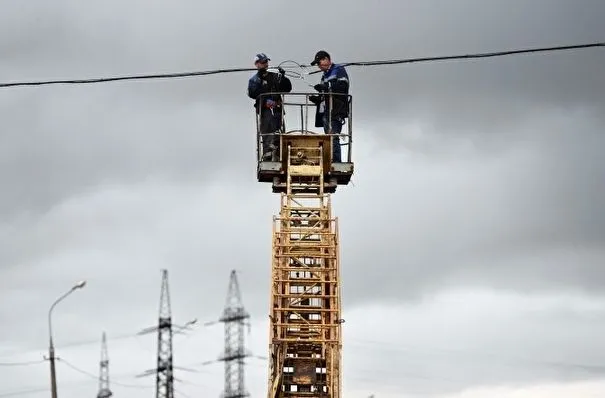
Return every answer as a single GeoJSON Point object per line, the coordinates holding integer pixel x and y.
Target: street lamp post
{"type": "Point", "coordinates": [51, 348]}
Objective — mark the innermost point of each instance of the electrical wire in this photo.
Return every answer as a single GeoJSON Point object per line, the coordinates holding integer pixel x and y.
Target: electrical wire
{"type": "Point", "coordinates": [121, 336]}
{"type": "Point", "coordinates": [356, 63]}
{"type": "Point", "coordinates": [68, 345]}
{"type": "Point", "coordinates": [65, 385]}
{"type": "Point", "coordinates": [458, 354]}
{"type": "Point", "coordinates": [24, 392]}
{"type": "Point", "coordinates": [27, 363]}
{"type": "Point", "coordinates": [113, 382]}
{"type": "Point", "coordinates": [298, 75]}
{"type": "Point", "coordinates": [365, 375]}
{"type": "Point", "coordinates": [84, 372]}
{"type": "Point", "coordinates": [32, 391]}
{"type": "Point", "coordinates": [132, 77]}
{"type": "Point", "coordinates": [474, 56]}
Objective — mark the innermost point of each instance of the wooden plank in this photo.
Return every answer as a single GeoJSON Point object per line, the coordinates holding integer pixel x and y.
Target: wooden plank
{"type": "Point", "coordinates": [305, 170]}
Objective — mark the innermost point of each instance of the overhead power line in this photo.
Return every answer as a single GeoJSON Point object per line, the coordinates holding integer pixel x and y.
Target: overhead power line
{"type": "Point", "coordinates": [89, 374]}
{"type": "Point", "coordinates": [477, 55]}
{"type": "Point", "coordinates": [132, 77]}
{"type": "Point", "coordinates": [357, 63]}
{"type": "Point", "coordinates": [9, 354]}
{"type": "Point", "coordinates": [27, 363]}
{"type": "Point", "coordinates": [14, 353]}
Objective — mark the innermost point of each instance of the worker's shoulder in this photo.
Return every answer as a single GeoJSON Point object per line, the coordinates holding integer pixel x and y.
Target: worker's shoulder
{"type": "Point", "coordinates": [340, 69]}
{"type": "Point", "coordinates": [337, 70]}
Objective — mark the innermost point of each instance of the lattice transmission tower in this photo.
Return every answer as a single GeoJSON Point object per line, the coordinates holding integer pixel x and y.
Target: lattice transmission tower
{"type": "Point", "coordinates": [166, 329]}
{"type": "Point", "coordinates": [234, 317]}
{"type": "Point", "coordinates": [164, 368]}
{"type": "Point", "coordinates": [104, 390]}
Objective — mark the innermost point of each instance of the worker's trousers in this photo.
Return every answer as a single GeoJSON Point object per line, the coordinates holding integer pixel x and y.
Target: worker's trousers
{"type": "Point", "coordinates": [270, 123]}
{"type": "Point", "coordinates": [336, 129]}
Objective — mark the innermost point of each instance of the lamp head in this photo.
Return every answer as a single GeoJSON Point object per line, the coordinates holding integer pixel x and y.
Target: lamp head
{"type": "Point", "coordinates": [79, 285]}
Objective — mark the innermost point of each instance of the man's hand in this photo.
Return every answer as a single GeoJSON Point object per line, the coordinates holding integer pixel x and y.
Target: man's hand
{"type": "Point", "coordinates": [321, 87]}
{"type": "Point", "coordinates": [281, 70]}
{"type": "Point", "coordinates": [315, 99]}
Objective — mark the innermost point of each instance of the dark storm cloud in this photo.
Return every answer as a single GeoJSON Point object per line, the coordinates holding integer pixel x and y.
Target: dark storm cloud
{"type": "Point", "coordinates": [65, 147]}
{"type": "Point", "coordinates": [526, 218]}
{"type": "Point", "coordinates": [102, 135]}
{"type": "Point", "coordinates": [119, 238]}
{"type": "Point", "coordinates": [61, 141]}
{"type": "Point", "coordinates": [74, 41]}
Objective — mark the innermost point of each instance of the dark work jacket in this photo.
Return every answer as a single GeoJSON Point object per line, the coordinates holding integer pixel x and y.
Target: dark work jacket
{"type": "Point", "coordinates": [269, 82]}
{"type": "Point", "coordinates": [337, 80]}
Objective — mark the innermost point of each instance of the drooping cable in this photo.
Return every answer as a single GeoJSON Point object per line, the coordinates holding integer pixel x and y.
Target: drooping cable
{"type": "Point", "coordinates": [356, 63]}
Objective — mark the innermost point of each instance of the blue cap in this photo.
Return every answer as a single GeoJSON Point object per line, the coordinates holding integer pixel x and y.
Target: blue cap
{"type": "Point", "coordinates": [261, 57]}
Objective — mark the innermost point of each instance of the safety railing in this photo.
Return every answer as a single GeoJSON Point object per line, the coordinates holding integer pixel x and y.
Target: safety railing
{"type": "Point", "coordinates": [306, 109]}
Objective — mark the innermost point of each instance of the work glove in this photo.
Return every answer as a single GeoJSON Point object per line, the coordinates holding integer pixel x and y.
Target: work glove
{"type": "Point", "coordinates": [321, 87]}
{"type": "Point", "coordinates": [281, 70]}
{"type": "Point", "coordinates": [315, 99]}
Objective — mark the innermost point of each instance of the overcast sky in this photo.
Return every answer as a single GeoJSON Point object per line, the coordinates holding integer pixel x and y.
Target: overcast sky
{"type": "Point", "coordinates": [472, 240]}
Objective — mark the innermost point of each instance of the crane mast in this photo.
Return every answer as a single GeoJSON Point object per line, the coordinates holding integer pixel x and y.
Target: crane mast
{"type": "Point", "coordinates": [305, 307]}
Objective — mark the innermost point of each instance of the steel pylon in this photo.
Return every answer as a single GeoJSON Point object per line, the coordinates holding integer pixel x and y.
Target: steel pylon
{"type": "Point", "coordinates": [234, 317]}
{"type": "Point", "coordinates": [104, 390]}
{"type": "Point", "coordinates": [164, 369]}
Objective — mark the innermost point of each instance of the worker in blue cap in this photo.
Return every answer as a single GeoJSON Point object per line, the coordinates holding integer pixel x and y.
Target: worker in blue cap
{"type": "Point", "coordinates": [269, 107]}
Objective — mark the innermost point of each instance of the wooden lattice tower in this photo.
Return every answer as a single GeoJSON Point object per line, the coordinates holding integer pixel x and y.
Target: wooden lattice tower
{"type": "Point", "coordinates": [305, 330]}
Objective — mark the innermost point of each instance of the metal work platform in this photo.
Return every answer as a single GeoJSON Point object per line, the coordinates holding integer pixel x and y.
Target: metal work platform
{"type": "Point", "coordinates": [274, 170]}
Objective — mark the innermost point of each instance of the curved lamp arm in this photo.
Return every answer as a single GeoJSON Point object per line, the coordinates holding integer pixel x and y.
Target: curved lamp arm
{"type": "Point", "coordinates": [79, 285]}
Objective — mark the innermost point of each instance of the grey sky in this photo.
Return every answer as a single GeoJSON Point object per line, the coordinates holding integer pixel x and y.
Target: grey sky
{"type": "Point", "coordinates": [473, 235]}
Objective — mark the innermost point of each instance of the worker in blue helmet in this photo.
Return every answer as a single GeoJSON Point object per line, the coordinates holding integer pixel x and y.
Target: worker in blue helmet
{"type": "Point", "coordinates": [334, 80]}
{"type": "Point", "coordinates": [269, 107]}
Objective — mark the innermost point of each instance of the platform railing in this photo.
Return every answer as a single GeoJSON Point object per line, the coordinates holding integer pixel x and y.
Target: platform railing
{"type": "Point", "coordinates": [306, 109]}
